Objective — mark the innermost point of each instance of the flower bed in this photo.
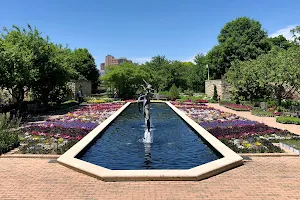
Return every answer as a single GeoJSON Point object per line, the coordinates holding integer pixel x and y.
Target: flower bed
{"type": "Point", "coordinates": [242, 131]}
{"type": "Point", "coordinates": [227, 124]}
{"type": "Point", "coordinates": [237, 107]}
{"type": "Point", "coordinates": [55, 136]}
{"type": "Point", "coordinates": [241, 135]}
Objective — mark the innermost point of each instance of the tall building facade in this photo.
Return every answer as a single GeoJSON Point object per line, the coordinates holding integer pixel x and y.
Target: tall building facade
{"type": "Point", "coordinates": [110, 60]}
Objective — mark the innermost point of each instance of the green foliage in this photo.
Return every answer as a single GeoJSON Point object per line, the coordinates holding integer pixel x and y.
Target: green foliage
{"type": "Point", "coordinates": [4, 96]}
{"type": "Point", "coordinates": [163, 92]}
{"type": "Point", "coordinates": [189, 92]}
{"type": "Point", "coordinates": [30, 61]}
{"type": "Point", "coordinates": [9, 137]}
{"type": "Point", "coordinates": [215, 96]}
{"type": "Point", "coordinates": [197, 74]}
{"type": "Point", "coordinates": [212, 101]}
{"type": "Point", "coordinates": [84, 63]}
{"type": "Point", "coordinates": [243, 77]}
{"type": "Point", "coordinates": [241, 39]}
{"type": "Point", "coordinates": [262, 113]}
{"type": "Point", "coordinates": [70, 102]}
{"type": "Point", "coordinates": [17, 54]}
{"type": "Point", "coordinates": [288, 120]}
{"type": "Point", "coordinates": [281, 42]}
{"type": "Point", "coordinates": [173, 93]}
{"type": "Point", "coordinates": [159, 72]}
{"type": "Point", "coordinates": [191, 98]}
{"type": "Point", "coordinates": [126, 78]}
{"type": "Point", "coordinates": [156, 70]}
{"type": "Point", "coordinates": [54, 72]}
{"type": "Point", "coordinates": [275, 74]}
{"type": "Point", "coordinates": [296, 35]}
{"type": "Point", "coordinates": [164, 73]}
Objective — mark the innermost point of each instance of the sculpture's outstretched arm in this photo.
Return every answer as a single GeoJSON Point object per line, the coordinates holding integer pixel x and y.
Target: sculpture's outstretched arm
{"type": "Point", "coordinates": [143, 87]}
{"type": "Point", "coordinates": [146, 82]}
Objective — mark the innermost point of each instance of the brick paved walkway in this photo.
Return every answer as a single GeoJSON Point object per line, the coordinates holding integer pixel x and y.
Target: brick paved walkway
{"type": "Point", "coordinates": [270, 121]}
{"type": "Point", "coordinates": [262, 178]}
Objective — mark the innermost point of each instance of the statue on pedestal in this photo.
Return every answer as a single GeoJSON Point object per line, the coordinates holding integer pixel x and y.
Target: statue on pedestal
{"type": "Point", "coordinates": [146, 109]}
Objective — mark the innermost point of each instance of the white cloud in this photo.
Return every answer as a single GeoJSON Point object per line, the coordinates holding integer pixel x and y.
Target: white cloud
{"type": "Point", "coordinates": [191, 59]}
{"type": "Point", "coordinates": [285, 32]}
{"type": "Point", "coordinates": [141, 60]}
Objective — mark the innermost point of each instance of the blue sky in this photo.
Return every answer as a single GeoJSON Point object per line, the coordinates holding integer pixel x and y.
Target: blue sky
{"type": "Point", "coordinates": [140, 29]}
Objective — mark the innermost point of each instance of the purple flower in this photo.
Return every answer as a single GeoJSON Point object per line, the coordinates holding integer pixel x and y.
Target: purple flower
{"type": "Point", "coordinates": [218, 123]}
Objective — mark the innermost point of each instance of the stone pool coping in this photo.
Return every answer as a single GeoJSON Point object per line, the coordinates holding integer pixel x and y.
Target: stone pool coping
{"type": "Point", "coordinates": [230, 159]}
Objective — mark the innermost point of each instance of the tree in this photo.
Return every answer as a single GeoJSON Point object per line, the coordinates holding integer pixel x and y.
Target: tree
{"type": "Point", "coordinates": [84, 63]}
{"type": "Point", "coordinates": [17, 71]}
{"type": "Point", "coordinates": [126, 78]}
{"type": "Point", "coordinates": [175, 73]}
{"type": "Point", "coordinates": [54, 71]}
{"type": "Point", "coordinates": [156, 69]}
{"type": "Point", "coordinates": [276, 73]}
{"type": "Point", "coordinates": [196, 74]}
{"type": "Point", "coordinates": [173, 93]}
{"type": "Point", "coordinates": [241, 39]}
{"type": "Point", "coordinates": [281, 41]}
{"type": "Point", "coordinates": [296, 35]}
{"type": "Point", "coordinates": [244, 76]}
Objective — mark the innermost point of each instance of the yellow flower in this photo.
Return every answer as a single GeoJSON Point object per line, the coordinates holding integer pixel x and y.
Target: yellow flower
{"type": "Point", "coordinates": [257, 143]}
{"type": "Point", "coordinates": [247, 145]}
{"type": "Point", "coordinates": [60, 140]}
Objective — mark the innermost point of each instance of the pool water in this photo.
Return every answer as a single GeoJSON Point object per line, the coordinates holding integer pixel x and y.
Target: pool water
{"type": "Point", "coordinates": [175, 144]}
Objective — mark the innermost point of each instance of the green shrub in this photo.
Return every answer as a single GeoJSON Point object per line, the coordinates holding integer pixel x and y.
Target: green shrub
{"type": "Point", "coordinates": [288, 120]}
{"type": "Point", "coordinates": [272, 103]}
{"type": "Point", "coordinates": [173, 93]}
{"type": "Point", "coordinates": [9, 137]}
{"type": "Point", "coordinates": [189, 92]}
{"type": "Point", "coordinates": [212, 101]}
{"type": "Point", "coordinates": [262, 113]}
{"type": "Point", "coordinates": [180, 90]}
{"type": "Point", "coordinates": [247, 103]}
{"type": "Point", "coordinates": [183, 98]}
{"type": "Point", "coordinates": [163, 92]}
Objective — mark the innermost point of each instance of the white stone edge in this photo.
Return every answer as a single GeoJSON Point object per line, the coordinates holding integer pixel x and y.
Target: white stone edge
{"type": "Point", "coordinates": [289, 147]}
{"type": "Point", "coordinates": [230, 159]}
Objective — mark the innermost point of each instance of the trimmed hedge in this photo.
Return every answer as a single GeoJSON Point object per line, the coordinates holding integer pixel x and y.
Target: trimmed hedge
{"type": "Point", "coordinates": [288, 120]}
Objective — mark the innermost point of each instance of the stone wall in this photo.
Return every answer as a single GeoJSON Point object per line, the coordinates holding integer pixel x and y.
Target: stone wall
{"type": "Point", "coordinates": [209, 87]}
{"type": "Point", "coordinates": [223, 88]}
{"type": "Point", "coordinates": [85, 86]}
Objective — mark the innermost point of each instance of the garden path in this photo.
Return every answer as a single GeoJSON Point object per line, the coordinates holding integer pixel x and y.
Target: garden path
{"type": "Point", "coordinates": [262, 178]}
{"type": "Point", "coordinates": [270, 121]}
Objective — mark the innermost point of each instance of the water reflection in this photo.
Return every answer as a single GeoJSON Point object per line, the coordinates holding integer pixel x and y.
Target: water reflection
{"type": "Point", "coordinates": [147, 162]}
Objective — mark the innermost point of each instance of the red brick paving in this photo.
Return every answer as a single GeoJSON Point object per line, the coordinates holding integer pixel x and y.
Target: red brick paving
{"type": "Point", "coordinates": [262, 178]}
